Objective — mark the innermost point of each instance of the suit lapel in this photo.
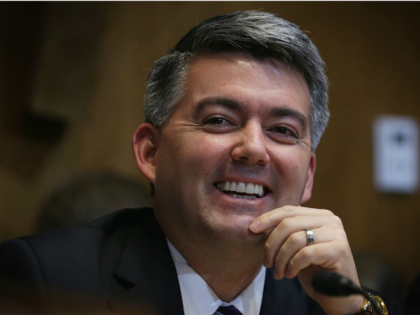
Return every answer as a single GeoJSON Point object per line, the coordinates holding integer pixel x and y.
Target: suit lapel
{"type": "Point", "coordinates": [284, 296]}
{"type": "Point", "coordinates": [147, 269]}
{"type": "Point", "coordinates": [145, 274]}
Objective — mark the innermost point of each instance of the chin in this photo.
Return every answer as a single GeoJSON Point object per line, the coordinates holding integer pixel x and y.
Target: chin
{"type": "Point", "coordinates": [236, 229]}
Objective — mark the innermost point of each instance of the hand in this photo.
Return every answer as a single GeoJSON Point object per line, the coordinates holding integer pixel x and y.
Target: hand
{"type": "Point", "coordinates": [286, 249]}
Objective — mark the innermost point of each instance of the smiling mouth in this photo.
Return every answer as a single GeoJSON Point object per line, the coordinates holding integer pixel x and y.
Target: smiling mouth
{"type": "Point", "coordinates": [241, 190]}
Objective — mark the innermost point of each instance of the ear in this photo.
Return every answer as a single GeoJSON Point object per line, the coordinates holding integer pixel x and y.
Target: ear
{"type": "Point", "coordinates": [307, 193]}
{"type": "Point", "coordinates": [145, 144]}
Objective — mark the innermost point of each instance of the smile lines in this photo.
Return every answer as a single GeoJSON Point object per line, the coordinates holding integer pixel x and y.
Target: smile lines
{"type": "Point", "coordinates": [247, 191]}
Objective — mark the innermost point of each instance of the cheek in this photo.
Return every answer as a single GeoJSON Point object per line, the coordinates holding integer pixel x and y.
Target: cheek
{"type": "Point", "coordinates": [292, 164]}
{"type": "Point", "coordinates": [194, 154]}
{"type": "Point", "coordinates": [207, 151]}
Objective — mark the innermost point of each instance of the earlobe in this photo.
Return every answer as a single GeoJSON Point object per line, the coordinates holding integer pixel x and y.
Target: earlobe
{"type": "Point", "coordinates": [307, 193]}
{"type": "Point", "coordinates": [145, 143]}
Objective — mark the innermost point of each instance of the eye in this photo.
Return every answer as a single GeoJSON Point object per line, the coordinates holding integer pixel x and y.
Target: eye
{"type": "Point", "coordinates": [284, 131]}
{"type": "Point", "coordinates": [215, 121]}
{"type": "Point", "coordinates": [284, 134]}
{"type": "Point", "coordinates": [218, 124]}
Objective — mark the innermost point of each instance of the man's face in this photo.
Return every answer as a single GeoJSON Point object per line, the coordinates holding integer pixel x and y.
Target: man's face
{"type": "Point", "coordinates": [242, 122]}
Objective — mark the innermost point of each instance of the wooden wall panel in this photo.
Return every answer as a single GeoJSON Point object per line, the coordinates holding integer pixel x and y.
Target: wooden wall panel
{"type": "Point", "coordinates": [371, 50]}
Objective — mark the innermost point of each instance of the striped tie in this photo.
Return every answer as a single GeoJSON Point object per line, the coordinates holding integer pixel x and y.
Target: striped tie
{"type": "Point", "coordinates": [227, 310]}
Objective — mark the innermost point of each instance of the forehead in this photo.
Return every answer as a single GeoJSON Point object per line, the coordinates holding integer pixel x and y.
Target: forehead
{"type": "Point", "coordinates": [267, 82]}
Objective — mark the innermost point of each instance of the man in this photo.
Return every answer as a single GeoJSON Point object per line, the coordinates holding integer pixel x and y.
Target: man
{"type": "Point", "coordinates": [233, 116]}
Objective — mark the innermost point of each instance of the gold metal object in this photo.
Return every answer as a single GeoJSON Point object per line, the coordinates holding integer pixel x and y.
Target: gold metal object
{"type": "Point", "coordinates": [368, 308]}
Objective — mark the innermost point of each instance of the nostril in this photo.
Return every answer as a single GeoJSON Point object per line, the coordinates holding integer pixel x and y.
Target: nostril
{"type": "Point", "coordinates": [251, 153]}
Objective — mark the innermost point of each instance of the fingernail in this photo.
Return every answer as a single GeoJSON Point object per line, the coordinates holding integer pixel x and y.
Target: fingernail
{"type": "Point", "coordinates": [254, 225]}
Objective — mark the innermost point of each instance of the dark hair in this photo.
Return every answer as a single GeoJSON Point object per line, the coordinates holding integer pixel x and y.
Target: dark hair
{"type": "Point", "coordinates": [259, 34]}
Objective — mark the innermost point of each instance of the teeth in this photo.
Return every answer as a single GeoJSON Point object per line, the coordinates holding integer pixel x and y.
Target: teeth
{"type": "Point", "coordinates": [240, 188]}
{"type": "Point", "coordinates": [251, 189]}
{"type": "Point", "coordinates": [226, 185]}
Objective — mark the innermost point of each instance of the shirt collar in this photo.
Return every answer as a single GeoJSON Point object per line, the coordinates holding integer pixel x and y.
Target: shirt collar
{"type": "Point", "coordinates": [199, 298]}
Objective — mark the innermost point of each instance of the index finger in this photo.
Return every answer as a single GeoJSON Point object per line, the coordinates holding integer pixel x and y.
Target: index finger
{"type": "Point", "coordinates": [272, 218]}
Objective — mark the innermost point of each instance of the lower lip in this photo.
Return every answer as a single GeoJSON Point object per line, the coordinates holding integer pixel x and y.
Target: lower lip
{"type": "Point", "coordinates": [238, 197]}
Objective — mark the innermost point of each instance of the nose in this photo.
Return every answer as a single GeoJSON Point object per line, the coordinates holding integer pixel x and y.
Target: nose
{"type": "Point", "coordinates": [251, 145]}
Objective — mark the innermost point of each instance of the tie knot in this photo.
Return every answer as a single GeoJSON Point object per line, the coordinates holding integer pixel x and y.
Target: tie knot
{"type": "Point", "coordinates": [227, 310]}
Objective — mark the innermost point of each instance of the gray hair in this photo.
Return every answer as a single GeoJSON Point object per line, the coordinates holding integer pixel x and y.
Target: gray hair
{"type": "Point", "coordinates": [259, 34]}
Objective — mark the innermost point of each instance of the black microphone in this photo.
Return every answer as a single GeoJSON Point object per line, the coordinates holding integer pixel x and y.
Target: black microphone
{"type": "Point", "coordinates": [334, 284]}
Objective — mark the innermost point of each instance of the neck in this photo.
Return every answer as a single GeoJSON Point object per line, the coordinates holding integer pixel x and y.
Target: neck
{"type": "Point", "coordinates": [228, 270]}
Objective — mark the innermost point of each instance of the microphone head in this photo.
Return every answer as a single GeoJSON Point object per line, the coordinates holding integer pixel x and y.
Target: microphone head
{"type": "Point", "coordinates": [334, 284]}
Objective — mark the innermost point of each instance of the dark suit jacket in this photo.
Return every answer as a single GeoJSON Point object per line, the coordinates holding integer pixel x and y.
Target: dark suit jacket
{"type": "Point", "coordinates": [118, 258]}
{"type": "Point", "coordinates": [412, 302]}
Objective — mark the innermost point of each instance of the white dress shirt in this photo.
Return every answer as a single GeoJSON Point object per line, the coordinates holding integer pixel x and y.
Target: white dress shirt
{"type": "Point", "coordinates": [199, 298]}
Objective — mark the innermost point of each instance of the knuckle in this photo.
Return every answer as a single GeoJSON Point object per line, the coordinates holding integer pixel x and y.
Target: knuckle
{"type": "Point", "coordinates": [264, 218]}
{"type": "Point", "coordinates": [267, 246]}
{"type": "Point", "coordinates": [327, 212]}
{"type": "Point", "coordinates": [292, 267]}
{"type": "Point", "coordinates": [306, 252]}
{"type": "Point", "coordinates": [278, 260]}
{"type": "Point", "coordinates": [342, 249]}
{"type": "Point", "coordinates": [268, 215]}
{"type": "Point", "coordinates": [337, 221]}
{"type": "Point", "coordinates": [295, 238]}
{"type": "Point", "coordinates": [287, 223]}
{"type": "Point", "coordinates": [342, 235]}
{"type": "Point", "coordinates": [289, 208]}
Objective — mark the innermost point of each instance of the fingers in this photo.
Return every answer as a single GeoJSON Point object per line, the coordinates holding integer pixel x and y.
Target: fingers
{"type": "Point", "coordinates": [293, 228]}
{"type": "Point", "coordinates": [287, 251]}
{"type": "Point", "coordinates": [329, 255]}
{"type": "Point", "coordinates": [329, 248]}
{"type": "Point", "coordinates": [273, 218]}
{"type": "Point", "coordinates": [290, 232]}
{"type": "Point", "coordinates": [281, 256]}
{"type": "Point", "coordinates": [286, 247]}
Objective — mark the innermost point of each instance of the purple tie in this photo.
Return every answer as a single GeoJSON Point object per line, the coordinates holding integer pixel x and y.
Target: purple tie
{"type": "Point", "coordinates": [227, 310]}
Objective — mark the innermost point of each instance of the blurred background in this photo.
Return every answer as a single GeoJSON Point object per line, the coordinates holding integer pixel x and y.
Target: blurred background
{"type": "Point", "coordinates": [72, 83]}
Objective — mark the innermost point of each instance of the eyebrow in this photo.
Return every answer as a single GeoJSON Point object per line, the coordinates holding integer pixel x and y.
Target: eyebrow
{"type": "Point", "coordinates": [288, 112]}
{"type": "Point", "coordinates": [216, 100]}
{"type": "Point", "coordinates": [234, 105]}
